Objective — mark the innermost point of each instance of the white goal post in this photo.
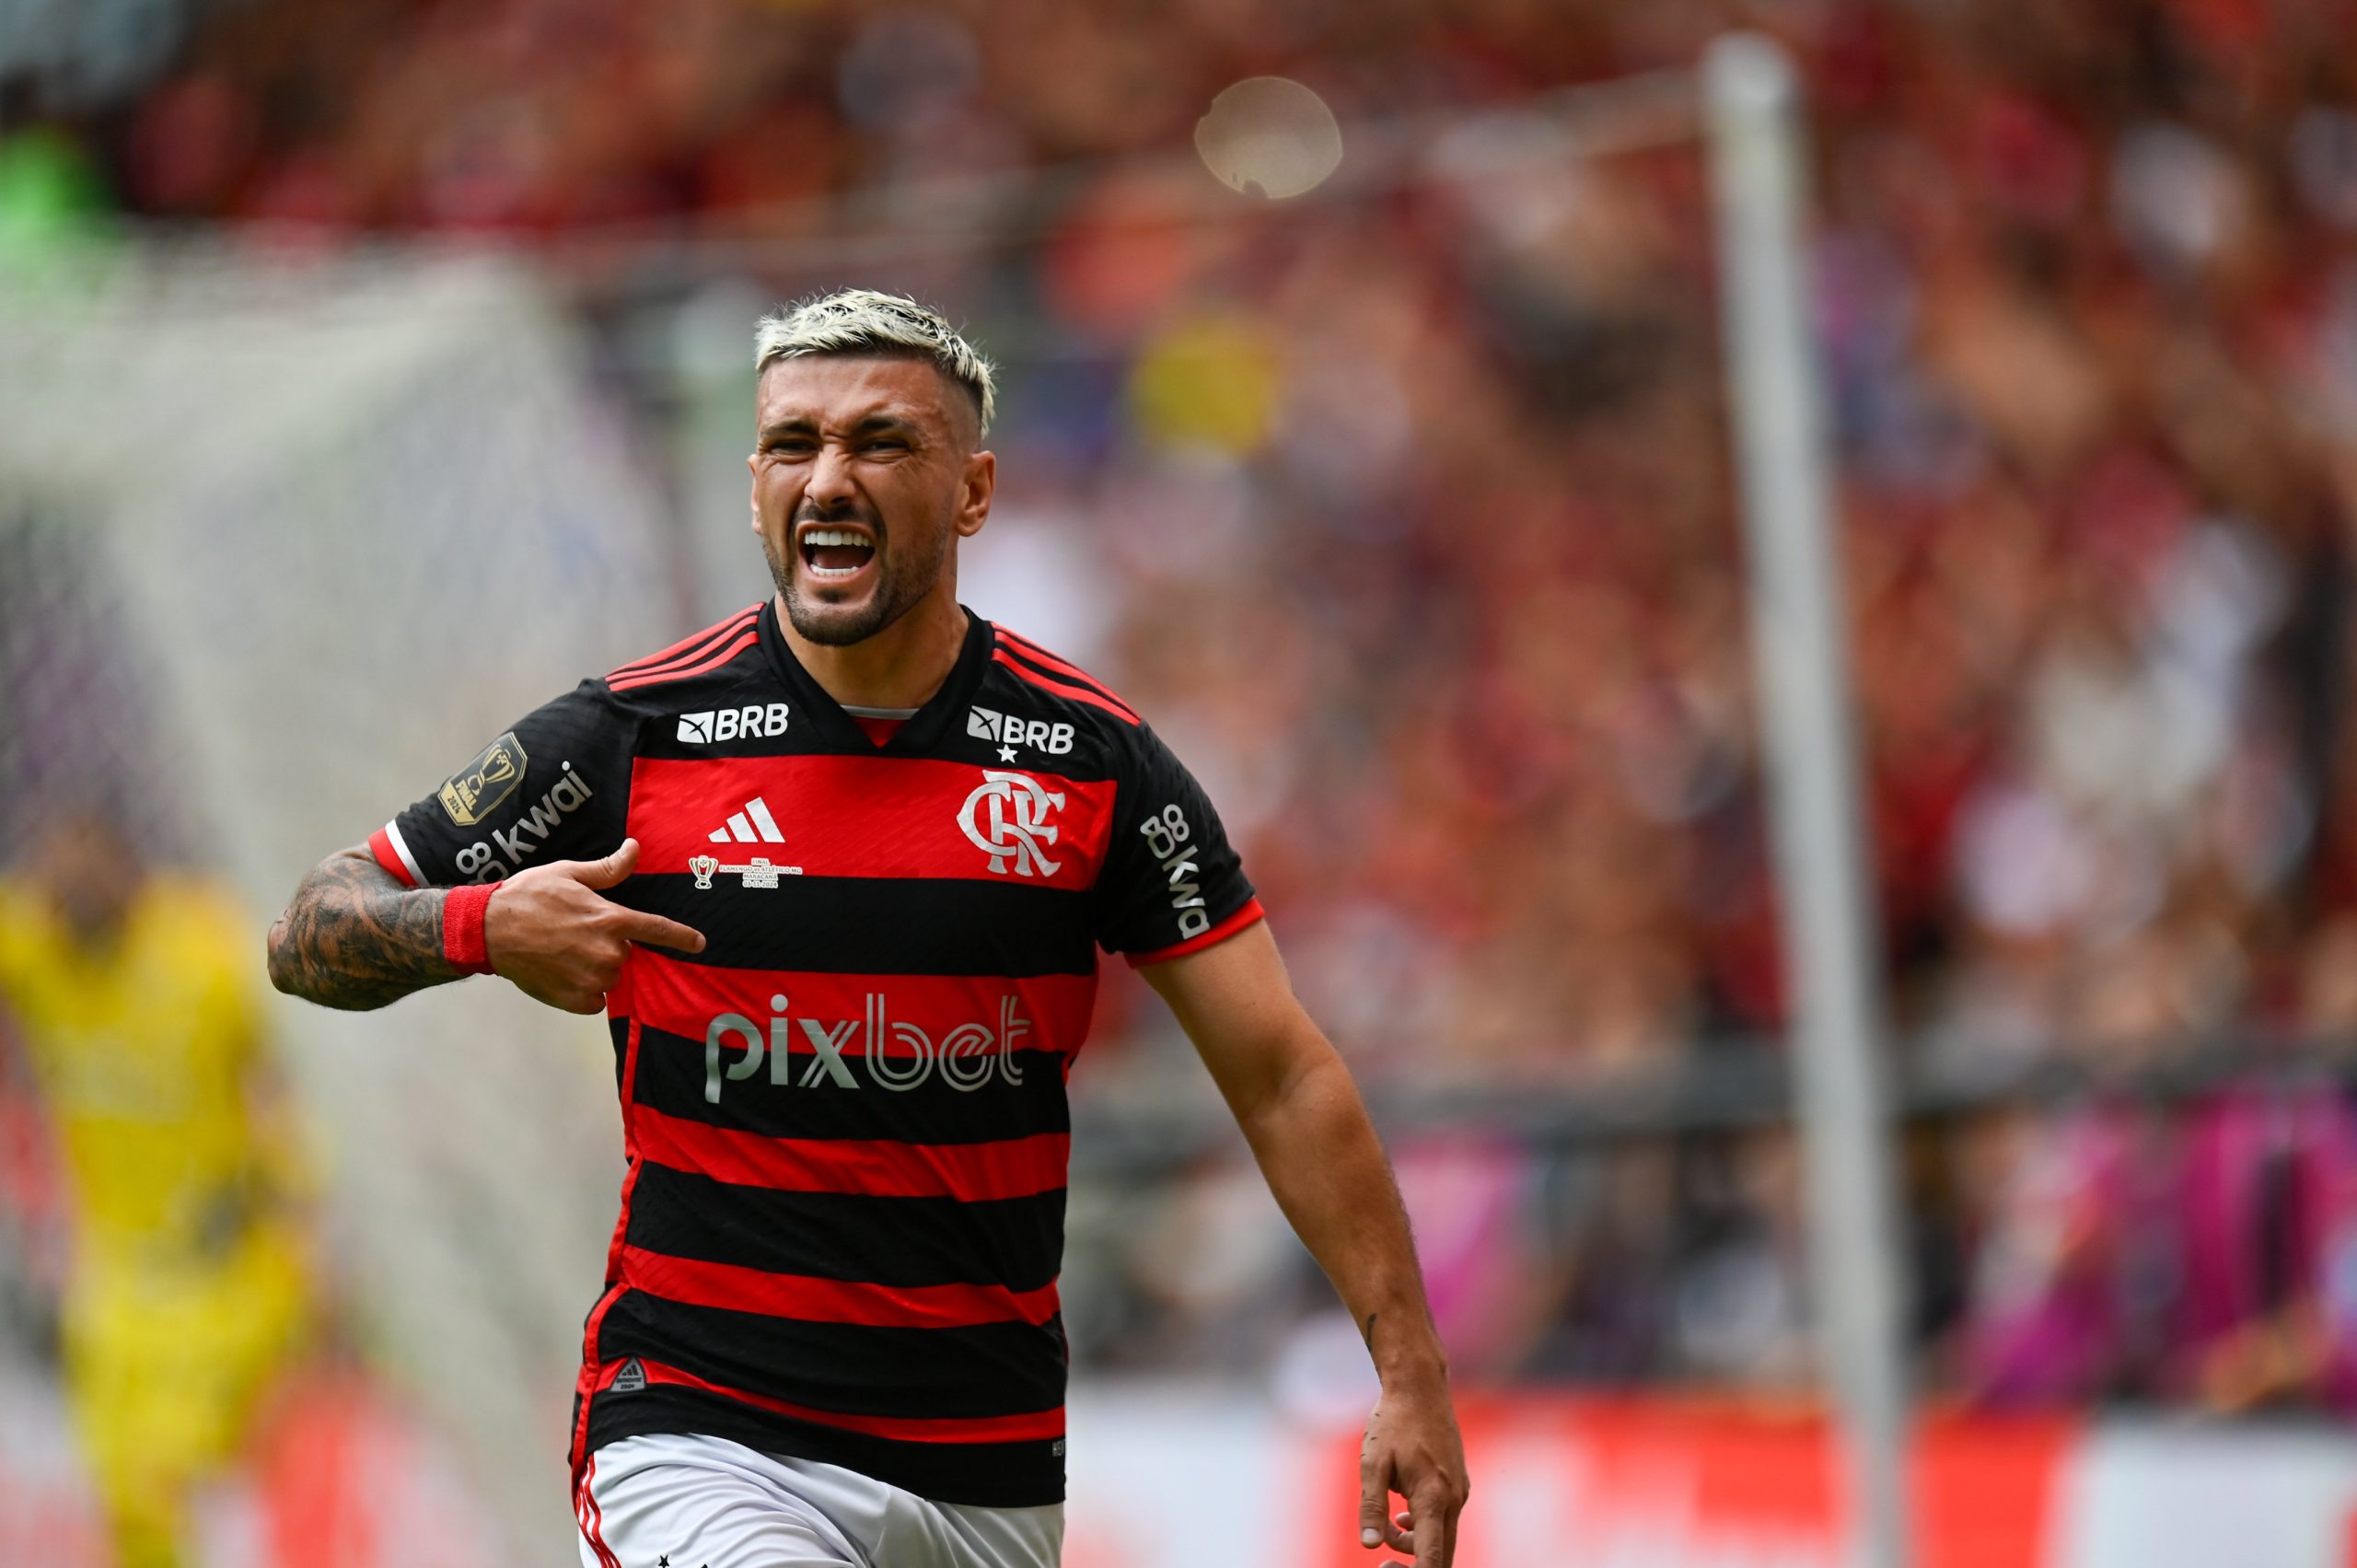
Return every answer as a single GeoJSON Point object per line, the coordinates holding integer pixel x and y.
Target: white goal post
{"type": "Point", "coordinates": [1751, 105]}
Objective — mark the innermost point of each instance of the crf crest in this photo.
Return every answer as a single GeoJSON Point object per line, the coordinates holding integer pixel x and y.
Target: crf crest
{"type": "Point", "coordinates": [1006, 817]}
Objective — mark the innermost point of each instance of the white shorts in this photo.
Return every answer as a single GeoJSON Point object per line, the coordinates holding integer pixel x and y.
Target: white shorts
{"type": "Point", "coordinates": [686, 1502]}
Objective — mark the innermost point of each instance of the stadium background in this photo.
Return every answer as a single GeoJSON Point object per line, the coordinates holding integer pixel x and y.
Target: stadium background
{"type": "Point", "coordinates": [369, 371]}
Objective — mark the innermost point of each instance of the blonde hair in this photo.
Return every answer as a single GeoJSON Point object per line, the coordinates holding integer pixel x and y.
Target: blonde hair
{"type": "Point", "coordinates": [861, 320]}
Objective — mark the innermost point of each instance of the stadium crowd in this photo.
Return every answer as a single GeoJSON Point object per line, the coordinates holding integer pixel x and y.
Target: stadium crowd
{"type": "Point", "coordinates": [1408, 517]}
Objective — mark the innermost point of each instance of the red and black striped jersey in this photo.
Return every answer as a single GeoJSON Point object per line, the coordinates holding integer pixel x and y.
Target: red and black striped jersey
{"type": "Point", "coordinates": [845, 1122]}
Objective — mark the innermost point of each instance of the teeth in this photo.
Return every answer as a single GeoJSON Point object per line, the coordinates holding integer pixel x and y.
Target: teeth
{"type": "Point", "coordinates": [836, 536]}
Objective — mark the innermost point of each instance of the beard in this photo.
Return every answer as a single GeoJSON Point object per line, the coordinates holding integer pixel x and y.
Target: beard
{"type": "Point", "coordinates": [901, 583]}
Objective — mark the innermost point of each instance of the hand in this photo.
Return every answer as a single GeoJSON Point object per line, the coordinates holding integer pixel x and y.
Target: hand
{"type": "Point", "coordinates": [549, 932]}
{"type": "Point", "coordinates": [1412, 1448]}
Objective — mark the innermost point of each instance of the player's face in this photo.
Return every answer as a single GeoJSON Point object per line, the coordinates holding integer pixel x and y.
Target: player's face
{"type": "Point", "coordinates": [91, 876]}
{"type": "Point", "coordinates": [864, 472]}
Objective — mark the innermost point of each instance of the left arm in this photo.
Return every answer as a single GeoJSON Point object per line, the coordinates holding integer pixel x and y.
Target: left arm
{"type": "Point", "coordinates": [1301, 1115]}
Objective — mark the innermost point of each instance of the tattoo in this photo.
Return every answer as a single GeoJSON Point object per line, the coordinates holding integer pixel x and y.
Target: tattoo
{"type": "Point", "coordinates": [353, 937]}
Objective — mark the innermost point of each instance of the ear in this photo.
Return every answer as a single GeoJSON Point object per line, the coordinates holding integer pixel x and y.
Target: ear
{"type": "Point", "coordinates": [976, 487]}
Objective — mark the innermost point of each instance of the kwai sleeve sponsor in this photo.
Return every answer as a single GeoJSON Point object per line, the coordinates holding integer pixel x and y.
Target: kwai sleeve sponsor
{"type": "Point", "coordinates": [1172, 884]}
{"type": "Point", "coordinates": [551, 789]}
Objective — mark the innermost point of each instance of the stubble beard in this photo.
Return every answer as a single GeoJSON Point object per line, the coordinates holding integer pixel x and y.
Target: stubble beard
{"type": "Point", "coordinates": [901, 586]}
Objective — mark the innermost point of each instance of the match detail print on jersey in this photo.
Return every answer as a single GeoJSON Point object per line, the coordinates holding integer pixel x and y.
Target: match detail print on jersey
{"type": "Point", "coordinates": [845, 1120]}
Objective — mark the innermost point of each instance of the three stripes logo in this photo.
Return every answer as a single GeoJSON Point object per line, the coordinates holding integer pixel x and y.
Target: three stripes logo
{"type": "Point", "coordinates": [749, 824]}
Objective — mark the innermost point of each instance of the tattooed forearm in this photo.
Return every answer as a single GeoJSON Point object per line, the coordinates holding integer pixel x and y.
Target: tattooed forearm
{"type": "Point", "coordinates": [353, 937]}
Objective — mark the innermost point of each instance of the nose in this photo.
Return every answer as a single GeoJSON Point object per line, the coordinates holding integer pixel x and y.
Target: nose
{"type": "Point", "coordinates": [829, 488]}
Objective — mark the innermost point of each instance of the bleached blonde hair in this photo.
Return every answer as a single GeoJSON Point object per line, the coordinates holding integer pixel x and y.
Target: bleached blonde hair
{"type": "Point", "coordinates": [861, 320]}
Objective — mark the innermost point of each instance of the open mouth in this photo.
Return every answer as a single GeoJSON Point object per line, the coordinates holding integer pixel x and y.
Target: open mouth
{"type": "Point", "coordinates": [832, 553]}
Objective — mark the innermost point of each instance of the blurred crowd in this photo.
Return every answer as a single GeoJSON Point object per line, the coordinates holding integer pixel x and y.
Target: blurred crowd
{"type": "Point", "coordinates": [2200, 1255]}
{"type": "Point", "coordinates": [1407, 516]}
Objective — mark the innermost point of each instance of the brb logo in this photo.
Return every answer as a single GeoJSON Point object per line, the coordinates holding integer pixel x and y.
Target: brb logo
{"type": "Point", "coordinates": [1007, 819]}
{"type": "Point", "coordinates": [1012, 729]}
{"type": "Point", "coordinates": [754, 721]}
{"type": "Point", "coordinates": [966, 1057]}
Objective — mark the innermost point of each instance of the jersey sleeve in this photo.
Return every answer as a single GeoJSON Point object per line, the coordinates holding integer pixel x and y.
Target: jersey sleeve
{"type": "Point", "coordinates": [1172, 884]}
{"type": "Point", "coordinates": [552, 788]}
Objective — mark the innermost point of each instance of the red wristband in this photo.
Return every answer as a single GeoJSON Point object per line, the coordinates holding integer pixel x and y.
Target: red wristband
{"type": "Point", "coordinates": [462, 942]}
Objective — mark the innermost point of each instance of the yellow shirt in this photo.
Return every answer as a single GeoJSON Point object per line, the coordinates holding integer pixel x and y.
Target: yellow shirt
{"type": "Point", "coordinates": [143, 1055]}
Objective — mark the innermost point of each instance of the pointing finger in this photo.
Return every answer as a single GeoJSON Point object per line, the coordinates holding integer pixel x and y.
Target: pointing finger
{"type": "Point", "coordinates": [640, 926]}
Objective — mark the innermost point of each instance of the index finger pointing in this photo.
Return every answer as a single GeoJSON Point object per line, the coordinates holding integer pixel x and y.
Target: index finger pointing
{"type": "Point", "coordinates": [640, 926]}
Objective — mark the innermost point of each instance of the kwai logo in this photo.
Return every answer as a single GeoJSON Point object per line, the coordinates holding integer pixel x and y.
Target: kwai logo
{"type": "Point", "coordinates": [1165, 839]}
{"type": "Point", "coordinates": [479, 861]}
{"type": "Point", "coordinates": [968, 1056]}
{"type": "Point", "coordinates": [1014, 810]}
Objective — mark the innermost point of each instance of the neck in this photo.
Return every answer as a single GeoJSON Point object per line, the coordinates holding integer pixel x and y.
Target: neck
{"type": "Point", "coordinates": [901, 667]}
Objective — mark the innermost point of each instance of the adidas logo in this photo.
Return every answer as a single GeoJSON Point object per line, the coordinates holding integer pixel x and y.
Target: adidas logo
{"type": "Point", "coordinates": [630, 1379]}
{"type": "Point", "coordinates": [751, 825]}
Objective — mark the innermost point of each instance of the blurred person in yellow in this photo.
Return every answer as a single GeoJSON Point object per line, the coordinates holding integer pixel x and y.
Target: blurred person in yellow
{"type": "Point", "coordinates": [188, 1286]}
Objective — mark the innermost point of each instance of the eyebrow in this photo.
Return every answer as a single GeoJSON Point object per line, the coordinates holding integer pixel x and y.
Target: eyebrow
{"type": "Point", "coordinates": [870, 424]}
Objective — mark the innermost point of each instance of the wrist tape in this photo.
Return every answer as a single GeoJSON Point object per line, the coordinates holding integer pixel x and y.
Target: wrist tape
{"type": "Point", "coordinates": [462, 939]}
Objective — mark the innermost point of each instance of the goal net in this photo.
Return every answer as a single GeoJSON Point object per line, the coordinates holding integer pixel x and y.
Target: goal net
{"type": "Point", "coordinates": [278, 536]}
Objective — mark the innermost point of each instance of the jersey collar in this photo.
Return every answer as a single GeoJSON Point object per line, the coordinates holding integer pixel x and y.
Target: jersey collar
{"type": "Point", "coordinates": [922, 733]}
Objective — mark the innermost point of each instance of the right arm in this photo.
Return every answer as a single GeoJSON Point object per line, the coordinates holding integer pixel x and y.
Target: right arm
{"type": "Point", "coordinates": [365, 927]}
{"type": "Point", "coordinates": [354, 938]}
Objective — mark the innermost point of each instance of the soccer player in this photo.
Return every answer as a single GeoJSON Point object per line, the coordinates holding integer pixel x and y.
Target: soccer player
{"type": "Point", "coordinates": [836, 869]}
{"type": "Point", "coordinates": [189, 1291]}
